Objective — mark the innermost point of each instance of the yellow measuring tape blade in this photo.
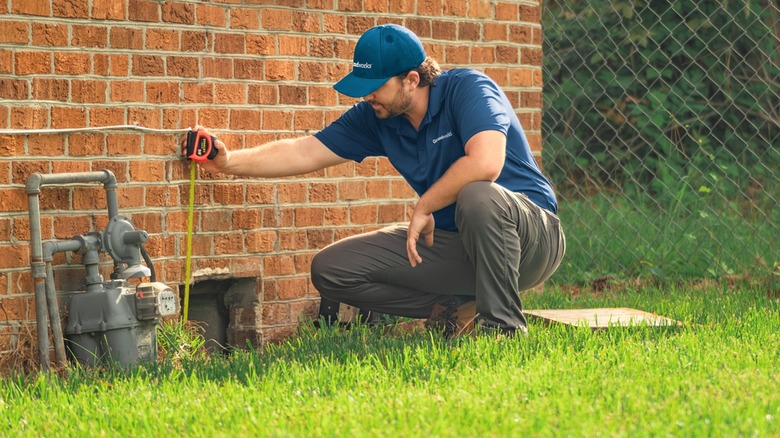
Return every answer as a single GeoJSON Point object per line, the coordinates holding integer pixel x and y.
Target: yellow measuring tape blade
{"type": "Point", "coordinates": [188, 262]}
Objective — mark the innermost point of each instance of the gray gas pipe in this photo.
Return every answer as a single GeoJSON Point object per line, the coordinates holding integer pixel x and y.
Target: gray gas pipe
{"type": "Point", "coordinates": [109, 319]}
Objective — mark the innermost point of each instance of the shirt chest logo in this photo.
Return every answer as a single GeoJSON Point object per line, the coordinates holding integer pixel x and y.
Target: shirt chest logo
{"type": "Point", "coordinates": [441, 137]}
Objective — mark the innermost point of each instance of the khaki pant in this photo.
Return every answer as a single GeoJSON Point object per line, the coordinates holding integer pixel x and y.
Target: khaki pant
{"type": "Point", "coordinates": [506, 244]}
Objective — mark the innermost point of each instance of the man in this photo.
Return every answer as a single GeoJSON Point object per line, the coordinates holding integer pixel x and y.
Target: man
{"type": "Point", "coordinates": [484, 227]}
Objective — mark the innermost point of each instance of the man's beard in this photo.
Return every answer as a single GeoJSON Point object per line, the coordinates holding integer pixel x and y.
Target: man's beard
{"type": "Point", "coordinates": [398, 106]}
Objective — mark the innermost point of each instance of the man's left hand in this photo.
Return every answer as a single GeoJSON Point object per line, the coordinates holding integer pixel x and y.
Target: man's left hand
{"type": "Point", "coordinates": [420, 225]}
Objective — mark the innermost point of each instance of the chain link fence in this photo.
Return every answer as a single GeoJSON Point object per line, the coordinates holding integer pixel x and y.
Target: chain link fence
{"type": "Point", "coordinates": [661, 132]}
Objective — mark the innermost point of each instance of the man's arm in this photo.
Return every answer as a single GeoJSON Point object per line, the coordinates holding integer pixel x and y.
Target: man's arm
{"type": "Point", "coordinates": [484, 160]}
{"type": "Point", "coordinates": [286, 157]}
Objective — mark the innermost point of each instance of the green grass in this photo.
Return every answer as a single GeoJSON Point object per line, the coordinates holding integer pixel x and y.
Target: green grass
{"type": "Point", "coordinates": [699, 238]}
{"type": "Point", "coordinates": [717, 376]}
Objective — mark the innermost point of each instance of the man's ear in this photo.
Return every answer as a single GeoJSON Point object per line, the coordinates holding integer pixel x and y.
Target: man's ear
{"type": "Point", "coordinates": [413, 77]}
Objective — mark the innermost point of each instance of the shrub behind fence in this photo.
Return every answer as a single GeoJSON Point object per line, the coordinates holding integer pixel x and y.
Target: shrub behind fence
{"type": "Point", "coordinates": [661, 131]}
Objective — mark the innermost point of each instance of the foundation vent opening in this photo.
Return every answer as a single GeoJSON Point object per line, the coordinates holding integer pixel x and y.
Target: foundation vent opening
{"type": "Point", "coordinates": [222, 308]}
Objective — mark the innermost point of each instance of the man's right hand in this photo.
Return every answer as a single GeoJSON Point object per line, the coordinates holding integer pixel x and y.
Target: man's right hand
{"type": "Point", "coordinates": [220, 162]}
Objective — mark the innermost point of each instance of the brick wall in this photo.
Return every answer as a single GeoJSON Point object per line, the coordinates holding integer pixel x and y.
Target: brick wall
{"type": "Point", "coordinates": [252, 71]}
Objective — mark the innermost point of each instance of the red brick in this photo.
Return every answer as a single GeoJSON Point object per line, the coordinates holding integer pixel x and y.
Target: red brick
{"type": "Point", "coordinates": [46, 145]}
{"type": "Point", "coordinates": [88, 36]}
{"type": "Point", "coordinates": [322, 96]}
{"type": "Point", "coordinates": [228, 244]}
{"type": "Point", "coordinates": [216, 118]}
{"type": "Point", "coordinates": [108, 10]}
{"type": "Point", "coordinates": [278, 265]}
{"type": "Point", "coordinates": [29, 117]}
{"type": "Point", "coordinates": [162, 92]}
{"type": "Point", "coordinates": [70, 63]}
{"type": "Point", "coordinates": [363, 214]}
{"type": "Point", "coordinates": [6, 61]}
{"type": "Point", "coordinates": [278, 120]}
{"type": "Point", "coordinates": [180, 13]}
{"type": "Point", "coordinates": [5, 173]}
{"type": "Point", "coordinates": [211, 15]}
{"type": "Point", "coordinates": [529, 56]}
{"type": "Point", "coordinates": [292, 45]}
{"type": "Point", "coordinates": [17, 89]}
{"type": "Point", "coordinates": [445, 30]}
{"type": "Point", "coordinates": [306, 22]}
{"type": "Point", "coordinates": [15, 32]}
{"type": "Point", "coordinates": [146, 117]}
{"type": "Point", "coordinates": [352, 190]}
{"type": "Point", "coordinates": [244, 119]}
{"type": "Point", "coordinates": [70, 166]}
{"type": "Point", "coordinates": [46, 34]}
{"type": "Point", "coordinates": [88, 91]}
{"type": "Point", "coordinates": [5, 236]}
{"type": "Point", "coordinates": [479, 9]}
{"type": "Point", "coordinates": [520, 34]}
{"type": "Point", "coordinates": [106, 116]}
{"type": "Point", "coordinates": [257, 44]}
{"type": "Point", "coordinates": [127, 91]}
{"type": "Point", "coordinates": [150, 222]}
{"type": "Point", "coordinates": [279, 70]}
{"type": "Point", "coordinates": [162, 39]}
{"type": "Point", "coordinates": [495, 31]}
{"type": "Point", "coordinates": [230, 93]}
{"type": "Point", "coordinates": [241, 18]}
{"type": "Point", "coordinates": [144, 10]}
{"type": "Point", "coordinates": [160, 144]}
{"type": "Point", "coordinates": [498, 74]}
{"type": "Point", "coordinates": [148, 65]}
{"type": "Point", "coordinates": [530, 14]}
{"type": "Point", "coordinates": [336, 215]}
{"type": "Point", "coordinates": [357, 25]}
{"type": "Point", "coordinates": [183, 66]}
{"type": "Point", "coordinates": [30, 63]}
{"type": "Point", "coordinates": [147, 170]}
{"type": "Point", "coordinates": [195, 41]}
{"type": "Point", "coordinates": [276, 19]}
{"type": "Point", "coordinates": [71, 8]}
{"type": "Point", "coordinates": [123, 144]}
{"type": "Point", "coordinates": [483, 55]}
{"type": "Point", "coordinates": [507, 54]}
{"type": "Point", "coordinates": [66, 227]}
{"type": "Point", "coordinates": [228, 194]}
{"type": "Point", "coordinates": [89, 198]}
{"type": "Point", "coordinates": [229, 43]}
{"type": "Point", "coordinates": [31, 7]}
{"type": "Point", "coordinates": [217, 68]}
{"type": "Point", "coordinates": [334, 23]}
{"type": "Point", "coordinates": [119, 168]}
{"type": "Point", "coordinates": [260, 194]}
{"type": "Point", "coordinates": [13, 199]}
{"type": "Point", "coordinates": [308, 120]}
{"type": "Point", "coordinates": [248, 69]}
{"type": "Point", "coordinates": [119, 65]}
{"type": "Point", "coordinates": [127, 38]}
{"type": "Point", "coordinates": [86, 144]}
{"type": "Point", "coordinates": [507, 12]}
{"type": "Point", "coordinates": [67, 117]}
{"type": "Point", "coordinates": [197, 92]}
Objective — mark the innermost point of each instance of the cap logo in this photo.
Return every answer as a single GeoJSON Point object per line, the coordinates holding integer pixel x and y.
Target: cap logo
{"type": "Point", "coordinates": [361, 65]}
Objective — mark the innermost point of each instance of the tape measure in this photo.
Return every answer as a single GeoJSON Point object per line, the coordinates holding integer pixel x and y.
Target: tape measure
{"type": "Point", "coordinates": [188, 262]}
{"type": "Point", "coordinates": [199, 146]}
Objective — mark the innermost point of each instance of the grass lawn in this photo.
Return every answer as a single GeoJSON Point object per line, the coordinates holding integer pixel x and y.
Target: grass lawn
{"type": "Point", "coordinates": [717, 376]}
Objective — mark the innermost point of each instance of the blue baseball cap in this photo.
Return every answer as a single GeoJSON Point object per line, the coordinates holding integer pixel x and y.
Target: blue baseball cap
{"type": "Point", "coordinates": [381, 53]}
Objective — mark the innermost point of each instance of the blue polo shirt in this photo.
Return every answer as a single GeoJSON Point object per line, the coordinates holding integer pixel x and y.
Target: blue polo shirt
{"type": "Point", "coordinates": [462, 103]}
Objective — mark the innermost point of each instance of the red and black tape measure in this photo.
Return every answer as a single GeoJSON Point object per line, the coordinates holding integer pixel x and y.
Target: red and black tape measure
{"type": "Point", "coordinates": [199, 146]}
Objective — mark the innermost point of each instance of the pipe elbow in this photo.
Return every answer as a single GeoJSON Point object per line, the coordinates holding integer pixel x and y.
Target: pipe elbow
{"type": "Point", "coordinates": [110, 181]}
{"type": "Point", "coordinates": [34, 183]}
{"type": "Point", "coordinates": [48, 250]}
